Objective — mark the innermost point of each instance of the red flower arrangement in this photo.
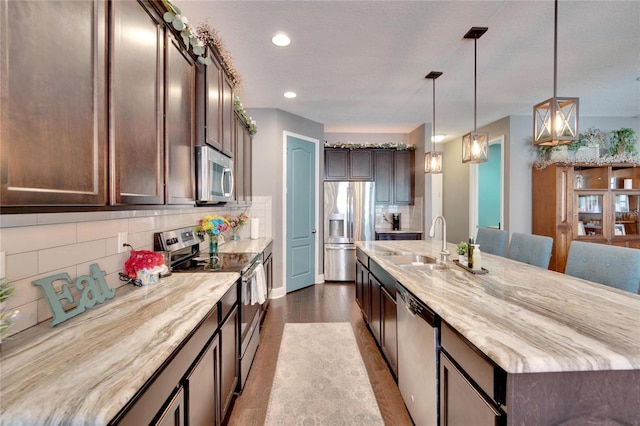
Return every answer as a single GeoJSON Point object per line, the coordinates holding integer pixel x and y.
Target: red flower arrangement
{"type": "Point", "coordinates": [142, 259]}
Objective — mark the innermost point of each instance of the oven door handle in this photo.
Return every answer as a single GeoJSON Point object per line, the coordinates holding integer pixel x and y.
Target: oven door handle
{"type": "Point", "coordinates": [253, 273]}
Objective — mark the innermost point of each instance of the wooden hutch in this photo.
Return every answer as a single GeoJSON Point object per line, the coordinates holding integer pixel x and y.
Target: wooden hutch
{"type": "Point", "coordinates": [586, 202]}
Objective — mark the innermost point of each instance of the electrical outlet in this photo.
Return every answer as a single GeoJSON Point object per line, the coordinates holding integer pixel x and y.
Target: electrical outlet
{"type": "Point", "coordinates": [122, 240]}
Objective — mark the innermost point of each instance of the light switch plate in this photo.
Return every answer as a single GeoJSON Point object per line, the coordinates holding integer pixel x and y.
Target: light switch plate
{"type": "Point", "coordinates": [122, 240]}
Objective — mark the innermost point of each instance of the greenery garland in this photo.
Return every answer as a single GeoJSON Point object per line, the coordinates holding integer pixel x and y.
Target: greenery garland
{"type": "Point", "coordinates": [249, 123]}
{"type": "Point", "coordinates": [190, 38]}
{"type": "Point", "coordinates": [211, 38]}
{"type": "Point", "coordinates": [388, 145]}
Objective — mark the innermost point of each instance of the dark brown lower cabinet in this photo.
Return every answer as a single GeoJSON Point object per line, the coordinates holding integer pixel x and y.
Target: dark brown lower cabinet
{"type": "Point", "coordinates": [460, 402]}
{"type": "Point", "coordinates": [229, 360]}
{"type": "Point", "coordinates": [203, 387]}
{"type": "Point", "coordinates": [389, 329]}
{"type": "Point", "coordinates": [174, 414]}
{"type": "Point", "coordinates": [375, 320]}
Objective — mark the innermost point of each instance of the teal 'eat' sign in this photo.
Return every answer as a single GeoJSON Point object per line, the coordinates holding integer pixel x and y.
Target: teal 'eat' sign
{"type": "Point", "coordinates": [93, 290]}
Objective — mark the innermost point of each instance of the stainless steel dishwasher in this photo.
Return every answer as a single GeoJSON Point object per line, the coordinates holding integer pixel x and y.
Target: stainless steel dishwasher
{"type": "Point", "coordinates": [417, 358]}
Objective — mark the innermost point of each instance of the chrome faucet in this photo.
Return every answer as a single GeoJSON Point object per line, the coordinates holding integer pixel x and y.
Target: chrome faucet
{"type": "Point", "coordinates": [444, 253]}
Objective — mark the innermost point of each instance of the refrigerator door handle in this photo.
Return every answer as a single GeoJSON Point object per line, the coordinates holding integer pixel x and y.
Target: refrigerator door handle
{"type": "Point", "coordinates": [339, 248]}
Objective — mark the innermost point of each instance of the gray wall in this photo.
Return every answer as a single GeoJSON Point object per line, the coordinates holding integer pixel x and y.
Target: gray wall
{"type": "Point", "coordinates": [268, 173]}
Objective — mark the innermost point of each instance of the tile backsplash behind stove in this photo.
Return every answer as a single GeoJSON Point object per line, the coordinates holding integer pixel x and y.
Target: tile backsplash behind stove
{"type": "Point", "coordinates": [41, 245]}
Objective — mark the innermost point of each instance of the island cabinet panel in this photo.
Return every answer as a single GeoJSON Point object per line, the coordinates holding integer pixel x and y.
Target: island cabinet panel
{"type": "Point", "coordinates": [137, 82]}
{"type": "Point", "coordinates": [174, 414]}
{"type": "Point", "coordinates": [229, 365]}
{"type": "Point", "coordinates": [179, 124]}
{"type": "Point", "coordinates": [53, 120]}
{"type": "Point", "coordinates": [202, 384]}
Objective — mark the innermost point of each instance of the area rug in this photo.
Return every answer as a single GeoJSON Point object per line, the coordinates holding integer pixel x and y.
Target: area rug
{"type": "Point", "coordinates": [321, 379]}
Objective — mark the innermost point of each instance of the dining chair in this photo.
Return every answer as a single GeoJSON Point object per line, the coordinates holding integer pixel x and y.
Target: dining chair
{"type": "Point", "coordinates": [529, 248]}
{"type": "Point", "coordinates": [493, 241]}
{"type": "Point", "coordinates": [614, 266]}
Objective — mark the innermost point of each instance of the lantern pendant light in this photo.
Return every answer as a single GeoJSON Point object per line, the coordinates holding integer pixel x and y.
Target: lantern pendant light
{"type": "Point", "coordinates": [475, 145]}
{"type": "Point", "coordinates": [433, 159]}
{"type": "Point", "coordinates": [555, 121]}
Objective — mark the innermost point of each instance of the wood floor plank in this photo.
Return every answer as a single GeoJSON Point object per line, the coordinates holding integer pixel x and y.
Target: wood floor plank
{"type": "Point", "coordinates": [329, 302]}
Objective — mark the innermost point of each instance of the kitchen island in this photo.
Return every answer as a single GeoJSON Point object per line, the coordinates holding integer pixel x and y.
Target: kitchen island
{"type": "Point", "coordinates": [563, 349]}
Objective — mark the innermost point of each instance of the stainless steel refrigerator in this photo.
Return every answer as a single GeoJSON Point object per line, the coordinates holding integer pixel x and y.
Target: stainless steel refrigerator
{"type": "Point", "coordinates": [349, 216]}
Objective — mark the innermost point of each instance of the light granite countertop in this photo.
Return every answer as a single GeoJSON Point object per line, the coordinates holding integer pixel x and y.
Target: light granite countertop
{"type": "Point", "coordinates": [524, 318]}
{"type": "Point", "coordinates": [86, 369]}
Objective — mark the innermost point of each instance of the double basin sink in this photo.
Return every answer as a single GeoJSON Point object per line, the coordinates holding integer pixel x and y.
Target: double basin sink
{"type": "Point", "coordinates": [414, 261]}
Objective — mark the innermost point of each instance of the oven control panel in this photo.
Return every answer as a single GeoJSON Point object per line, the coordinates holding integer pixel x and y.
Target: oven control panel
{"type": "Point", "coordinates": [177, 239]}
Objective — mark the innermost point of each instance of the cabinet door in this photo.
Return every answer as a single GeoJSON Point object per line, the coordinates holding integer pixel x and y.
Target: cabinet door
{"type": "Point", "coordinates": [53, 103]}
{"type": "Point", "coordinates": [360, 277]}
{"type": "Point", "coordinates": [383, 165]}
{"type": "Point", "coordinates": [460, 402]}
{"type": "Point", "coordinates": [389, 330]}
{"type": "Point", "coordinates": [361, 164]}
{"type": "Point", "coordinates": [203, 384]}
{"type": "Point", "coordinates": [137, 81]}
{"type": "Point", "coordinates": [214, 103]}
{"type": "Point", "coordinates": [228, 360]}
{"type": "Point", "coordinates": [336, 164]}
{"type": "Point", "coordinates": [238, 161]}
{"type": "Point", "coordinates": [403, 177]}
{"type": "Point", "coordinates": [375, 320]}
{"type": "Point", "coordinates": [228, 125]}
{"type": "Point", "coordinates": [248, 164]}
{"type": "Point", "coordinates": [180, 125]}
{"type": "Point", "coordinates": [174, 414]}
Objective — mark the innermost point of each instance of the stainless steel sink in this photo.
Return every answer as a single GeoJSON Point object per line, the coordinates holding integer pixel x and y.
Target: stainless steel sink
{"type": "Point", "coordinates": [416, 261]}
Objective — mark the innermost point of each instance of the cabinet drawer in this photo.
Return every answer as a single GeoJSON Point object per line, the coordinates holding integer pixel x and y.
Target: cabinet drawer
{"type": "Point", "coordinates": [490, 378]}
{"type": "Point", "coordinates": [228, 301]}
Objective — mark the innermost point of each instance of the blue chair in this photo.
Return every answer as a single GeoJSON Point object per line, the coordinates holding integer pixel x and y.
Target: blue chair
{"type": "Point", "coordinates": [614, 266]}
{"type": "Point", "coordinates": [532, 249]}
{"type": "Point", "coordinates": [492, 241]}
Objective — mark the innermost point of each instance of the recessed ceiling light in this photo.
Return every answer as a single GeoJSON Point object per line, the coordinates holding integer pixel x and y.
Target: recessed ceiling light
{"type": "Point", "coordinates": [281, 40]}
{"type": "Point", "coordinates": [290, 95]}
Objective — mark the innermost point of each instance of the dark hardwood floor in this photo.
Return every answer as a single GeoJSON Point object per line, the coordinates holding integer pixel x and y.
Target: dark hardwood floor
{"type": "Point", "coordinates": [329, 302]}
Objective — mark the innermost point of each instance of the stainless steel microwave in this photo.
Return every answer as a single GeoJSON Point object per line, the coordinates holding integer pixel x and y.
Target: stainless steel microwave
{"type": "Point", "coordinates": [214, 176]}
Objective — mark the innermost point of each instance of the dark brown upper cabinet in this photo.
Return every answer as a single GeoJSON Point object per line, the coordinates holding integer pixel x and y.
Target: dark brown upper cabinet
{"type": "Point", "coordinates": [180, 73]}
{"type": "Point", "coordinates": [345, 164]}
{"type": "Point", "coordinates": [53, 125]}
{"type": "Point", "coordinates": [394, 176]}
{"type": "Point", "coordinates": [137, 94]}
{"type": "Point", "coordinates": [213, 102]}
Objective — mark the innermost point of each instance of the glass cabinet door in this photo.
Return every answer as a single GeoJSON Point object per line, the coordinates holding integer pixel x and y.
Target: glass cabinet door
{"type": "Point", "coordinates": [590, 218]}
{"type": "Point", "coordinates": [626, 216]}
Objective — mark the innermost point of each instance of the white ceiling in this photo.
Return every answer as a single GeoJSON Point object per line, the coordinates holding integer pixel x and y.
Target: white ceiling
{"type": "Point", "coordinates": [359, 66]}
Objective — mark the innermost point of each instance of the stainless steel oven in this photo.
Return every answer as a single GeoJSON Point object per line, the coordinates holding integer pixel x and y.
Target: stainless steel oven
{"type": "Point", "coordinates": [183, 247]}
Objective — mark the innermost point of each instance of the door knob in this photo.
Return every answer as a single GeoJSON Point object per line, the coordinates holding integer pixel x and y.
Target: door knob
{"type": "Point", "coordinates": [313, 232]}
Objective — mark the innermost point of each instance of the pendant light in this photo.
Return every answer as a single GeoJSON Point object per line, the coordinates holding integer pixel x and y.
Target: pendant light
{"type": "Point", "coordinates": [433, 158]}
{"type": "Point", "coordinates": [475, 145]}
{"type": "Point", "coordinates": [555, 121]}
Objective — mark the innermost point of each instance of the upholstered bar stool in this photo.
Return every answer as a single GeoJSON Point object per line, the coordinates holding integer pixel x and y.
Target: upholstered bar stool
{"type": "Point", "coordinates": [492, 241]}
{"type": "Point", "coordinates": [614, 266]}
{"type": "Point", "coordinates": [532, 249]}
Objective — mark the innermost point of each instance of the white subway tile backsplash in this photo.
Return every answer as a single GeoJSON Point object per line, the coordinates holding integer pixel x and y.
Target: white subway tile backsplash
{"type": "Point", "coordinates": [10, 221]}
{"type": "Point", "coordinates": [29, 238]}
{"type": "Point", "coordinates": [141, 224]}
{"type": "Point", "coordinates": [28, 317]}
{"type": "Point", "coordinates": [89, 231]}
{"type": "Point", "coordinates": [26, 292]}
{"type": "Point", "coordinates": [49, 219]}
{"type": "Point", "coordinates": [61, 257]}
{"type": "Point", "coordinates": [21, 265]}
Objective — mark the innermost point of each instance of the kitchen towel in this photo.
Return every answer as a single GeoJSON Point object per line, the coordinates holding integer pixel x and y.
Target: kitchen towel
{"type": "Point", "coordinates": [255, 228]}
{"type": "Point", "coordinates": [258, 286]}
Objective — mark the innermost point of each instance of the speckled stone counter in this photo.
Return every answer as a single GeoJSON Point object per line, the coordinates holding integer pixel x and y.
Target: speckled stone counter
{"type": "Point", "coordinates": [86, 369]}
{"type": "Point", "coordinates": [245, 245]}
{"type": "Point", "coordinates": [525, 319]}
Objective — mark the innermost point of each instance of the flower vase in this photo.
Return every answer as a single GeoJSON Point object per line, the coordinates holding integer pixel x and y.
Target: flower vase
{"type": "Point", "coordinates": [213, 244]}
{"type": "Point", "coordinates": [235, 234]}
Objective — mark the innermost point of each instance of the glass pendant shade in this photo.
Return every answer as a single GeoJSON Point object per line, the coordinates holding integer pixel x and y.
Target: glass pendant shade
{"type": "Point", "coordinates": [433, 162]}
{"type": "Point", "coordinates": [475, 147]}
{"type": "Point", "coordinates": [556, 121]}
